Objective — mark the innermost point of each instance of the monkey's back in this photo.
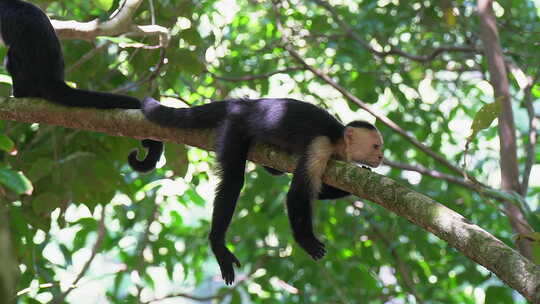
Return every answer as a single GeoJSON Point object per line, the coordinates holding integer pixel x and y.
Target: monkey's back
{"type": "Point", "coordinates": [288, 123]}
{"type": "Point", "coordinates": [34, 47]}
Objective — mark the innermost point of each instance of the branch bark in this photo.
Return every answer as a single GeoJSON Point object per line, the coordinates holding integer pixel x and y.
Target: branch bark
{"type": "Point", "coordinates": [507, 131]}
{"type": "Point", "coordinates": [120, 23]}
{"type": "Point", "coordinates": [474, 242]}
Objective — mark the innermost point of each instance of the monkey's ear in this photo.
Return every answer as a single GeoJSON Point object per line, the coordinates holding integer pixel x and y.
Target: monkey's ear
{"type": "Point", "coordinates": [348, 135]}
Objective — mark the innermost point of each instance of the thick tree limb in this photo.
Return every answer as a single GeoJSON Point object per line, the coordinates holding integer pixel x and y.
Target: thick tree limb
{"type": "Point", "coordinates": [476, 243]}
{"type": "Point", "coordinates": [507, 130]}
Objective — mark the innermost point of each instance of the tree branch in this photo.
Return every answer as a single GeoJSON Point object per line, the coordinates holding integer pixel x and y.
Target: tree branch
{"type": "Point", "coordinates": [349, 96]}
{"type": "Point", "coordinates": [474, 242]}
{"type": "Point", "coordinates": [95, 250]}
{"type": "Point", "coordinates": [431, 172]}
{"type": "Point", "coordinates": [393, 50]}
{"type": "Point", "coordinates": [384, 119]}
{"type": "Point", "coordinates": [121, 22]}
{"type": "Point", "coordinates": [507, 131]}
{"type": "Point", "coordinates": [401, 267]}
{"type": "Point", "coordinates": [533, 133]}
{"type": "Point", "coordinates": [253, 77]}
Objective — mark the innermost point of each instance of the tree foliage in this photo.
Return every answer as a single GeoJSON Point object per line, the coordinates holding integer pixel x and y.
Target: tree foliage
{"type": "Point", "coordinates": [71, 199]}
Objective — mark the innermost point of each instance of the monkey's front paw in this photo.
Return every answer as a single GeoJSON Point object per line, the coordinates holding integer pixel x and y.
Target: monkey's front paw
{"type": "Point", "coordinates": [226, 259]}
{"type": "Point", "coordinates": [312, 246]}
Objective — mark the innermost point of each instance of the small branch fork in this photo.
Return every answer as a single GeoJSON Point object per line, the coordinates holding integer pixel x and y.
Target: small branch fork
{"type": "Point", "coordinates": [121, 22]}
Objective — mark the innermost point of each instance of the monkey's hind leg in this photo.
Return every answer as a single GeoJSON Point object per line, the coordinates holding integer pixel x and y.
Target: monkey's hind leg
{"type": "Point", "coordinates": [232, 148]}
{"type": "Point", "coordinates": [305, 186]}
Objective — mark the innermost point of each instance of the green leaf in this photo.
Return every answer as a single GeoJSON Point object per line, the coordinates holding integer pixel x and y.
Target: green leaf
{"type": "Point", "coordinates": [498, 294]}
{"type": "Point", "coordinates": [6, 143]}
{"type": "Point", "coordinates": [236, 297]}
{"type": "Point", "coordinates": [16, 181]}
{"type": "Point", "coordinates": [177, 159]}
{"type": "Point", "coordinates": [104, 4]}
{"type": "Point", "coordinates": [45, 203]}
{"type": "Point", "coordinates": [186, 61]}
{"type": "Point", "coordinates": [40, 168]}
{"type": "Point", "coordinates": [485, 116]}
{"type": "Point", "coordinates": [191, 36]}
{"type": "Point", "coordinates": [194, 197]}
{"type": "Point", "coordinates": [536, 91]}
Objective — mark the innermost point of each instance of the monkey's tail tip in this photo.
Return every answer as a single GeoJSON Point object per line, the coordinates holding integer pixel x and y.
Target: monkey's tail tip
{"type": "Point", "coordinates": [155, 148]}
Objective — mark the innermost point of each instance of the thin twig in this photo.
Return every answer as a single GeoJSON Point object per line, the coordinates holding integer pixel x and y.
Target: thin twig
{"type": "Point", "coordinates": [149, 78]}
{"type": "Point", "coordinates": [533, 133]}
{"type": "Point", "coordinates": [402, 266]}
{"type": "Point", "coordinates": [145, 237]}
{"type": "Point", "coordinates": [218, 296]}
{"type": "Point", "coordinates": [381, 117]}
{"type": "Point", "coordinates": [87, 56]}
{"type": "Point", "coordinates": [254, 77]}
{"type": "Point", "coordinates": [384, 119]}
{"type": "Point", "coordinates": [95, 250]}
{"type": "Point", "coordinates": [393, 50]}
{"type": "Point", "coordinates": [432, 173]}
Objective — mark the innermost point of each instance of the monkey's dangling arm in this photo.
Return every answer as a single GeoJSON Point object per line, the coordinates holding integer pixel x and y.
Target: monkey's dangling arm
{"type": "Point", "coordinates": [232, 149]}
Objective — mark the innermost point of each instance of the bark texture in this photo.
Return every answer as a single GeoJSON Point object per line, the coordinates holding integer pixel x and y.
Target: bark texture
{"type": "Point", "coordinates": [474, 242]}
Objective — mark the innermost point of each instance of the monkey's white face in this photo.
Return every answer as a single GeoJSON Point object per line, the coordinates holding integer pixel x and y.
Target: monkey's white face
{"type": "Point", "coordinates": [364, 146]}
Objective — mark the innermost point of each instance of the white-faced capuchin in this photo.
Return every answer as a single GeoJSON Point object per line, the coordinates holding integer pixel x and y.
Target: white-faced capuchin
{"type": "Point", "coordinates": [36, 65]}
{"type": "Point", "coordinates": [293, 125]}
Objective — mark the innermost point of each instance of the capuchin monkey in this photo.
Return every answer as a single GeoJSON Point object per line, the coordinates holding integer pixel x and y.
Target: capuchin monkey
{"type": "Point", "coordinates": [296, 126]}
{"type": "Point", "coordinates": [36, 64]}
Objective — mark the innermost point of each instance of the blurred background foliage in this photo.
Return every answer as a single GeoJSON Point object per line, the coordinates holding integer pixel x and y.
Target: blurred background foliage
{"type": "Point", "coordinates": [70, 198]}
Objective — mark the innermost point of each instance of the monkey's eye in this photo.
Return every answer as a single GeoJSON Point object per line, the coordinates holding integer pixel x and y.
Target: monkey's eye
{"type": "Point", "coordinates": [376, 147]}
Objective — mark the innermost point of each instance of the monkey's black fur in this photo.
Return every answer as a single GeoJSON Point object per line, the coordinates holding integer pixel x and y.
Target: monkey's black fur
{"type": "Point", "coordinates": [290, 124]}
{"type": "Point", "coordinates": [36, 64]}
{"type": "Point", "coordinates": [155, 148]}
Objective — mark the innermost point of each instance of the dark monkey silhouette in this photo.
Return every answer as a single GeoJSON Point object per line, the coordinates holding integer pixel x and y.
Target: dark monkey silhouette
{"type": "Point", "coordinates": [36, 64]}
{"type": "Point", "coordinates": [293, 125]}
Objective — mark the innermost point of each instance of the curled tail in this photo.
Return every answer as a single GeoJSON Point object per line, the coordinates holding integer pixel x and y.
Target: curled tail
{"type": "Point", "coordinates": [201, 117]}
{"type": "Point", "coordinates": [155, 148]}
{"type": "Point", "coordinates": [62, 93]}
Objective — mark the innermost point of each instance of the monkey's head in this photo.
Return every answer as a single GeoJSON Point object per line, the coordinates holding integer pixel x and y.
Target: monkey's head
{"type": "Point", "coordinates": [363, 143]}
